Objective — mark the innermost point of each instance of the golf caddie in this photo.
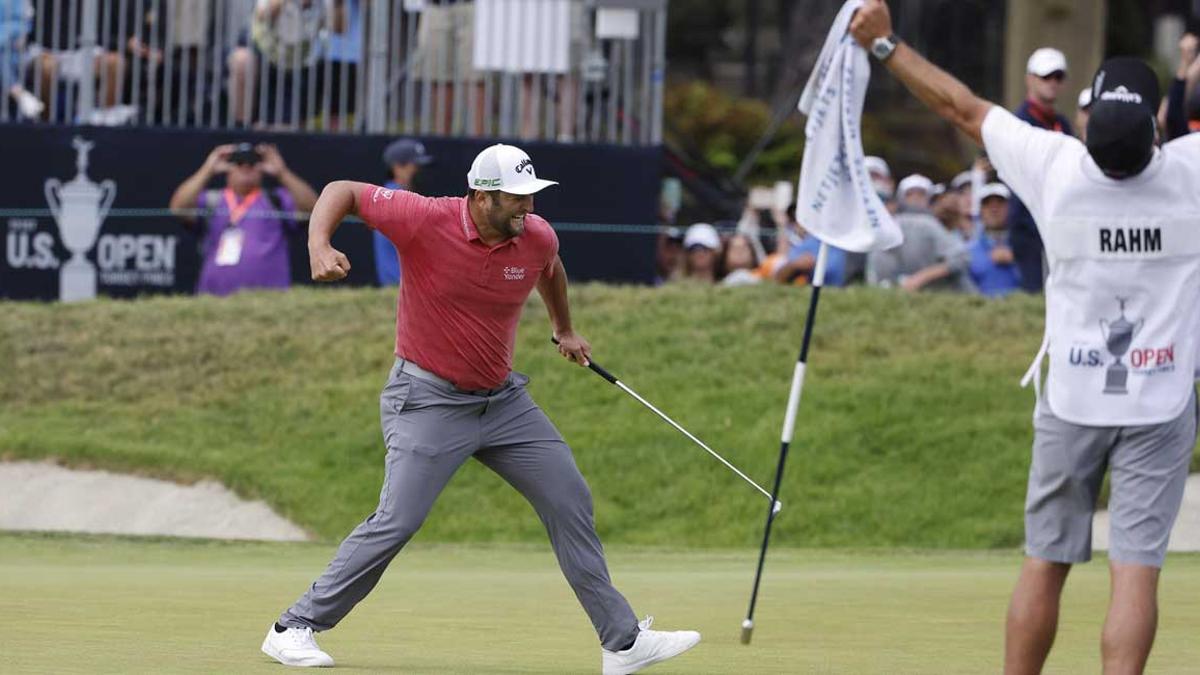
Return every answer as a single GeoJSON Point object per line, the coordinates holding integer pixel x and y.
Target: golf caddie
{"type": "Point", "coordinates": [1120, 217]}
{"type": "Point", "coordinates": [468, 265]}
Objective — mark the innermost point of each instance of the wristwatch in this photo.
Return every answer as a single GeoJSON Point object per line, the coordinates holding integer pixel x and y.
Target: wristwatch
{"type": "Point", "coordinates": [883, 47]}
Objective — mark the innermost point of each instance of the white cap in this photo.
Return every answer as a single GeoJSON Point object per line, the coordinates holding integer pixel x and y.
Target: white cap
{"type": "Point", "coordinates": [702, 234]}
{"type": "Point", "coordinates": [915, 182]}
{"type": "Point", "coordinates": [1045, 61]}
{"type": "Point", "coordinates": [994, 190]}
{"type": "Point", "coordinates": [506, 168]}
{"type": "Point", "coordinates": [1085, 99]}
{"type": "Point", "coordinates": [877, 165]}
{"type": "Point", "coordinates": [962, 180]}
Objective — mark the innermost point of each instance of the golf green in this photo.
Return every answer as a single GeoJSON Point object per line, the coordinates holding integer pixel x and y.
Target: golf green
{"type": "Point", "coordinates": [117, 605]}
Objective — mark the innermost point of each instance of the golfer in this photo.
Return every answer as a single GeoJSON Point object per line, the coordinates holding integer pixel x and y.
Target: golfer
{"type": "Point", "coordinates": [468, 265]}
{"type": "Point", "coordinates": [1120, 217]}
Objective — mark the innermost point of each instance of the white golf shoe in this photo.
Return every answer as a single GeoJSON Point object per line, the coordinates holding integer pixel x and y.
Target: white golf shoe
{"type": "Point", "coordinates": [650, 647]}
{"type": "Point", "coordinates": [295, 647]}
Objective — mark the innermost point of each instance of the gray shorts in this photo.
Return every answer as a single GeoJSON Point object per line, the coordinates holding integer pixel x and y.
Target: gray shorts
{"type": "Point", "coordinates": [1149, 469]}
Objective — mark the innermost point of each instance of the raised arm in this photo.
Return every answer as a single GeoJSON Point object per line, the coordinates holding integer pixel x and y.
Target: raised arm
{"type": "Point", "coordinates": [941, 92]}
{"type": "Point", "coordinates": [184, 199]}
{"type": "Point", "coordinates": [553, 289]}
{"type": "Point", "coordinates": [338, 200]}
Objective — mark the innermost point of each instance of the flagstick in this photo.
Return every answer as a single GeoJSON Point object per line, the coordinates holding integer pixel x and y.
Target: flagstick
{"type": "Point", "coordinates": [789, 427]}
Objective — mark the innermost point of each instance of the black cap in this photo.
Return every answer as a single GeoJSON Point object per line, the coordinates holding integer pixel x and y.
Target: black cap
{"type": "Point", "coordinates": [406, 151]}
{"type": "Point", "coordinates": [244, 153]}
{"type": "Point", "coordinates": [1121, 127]}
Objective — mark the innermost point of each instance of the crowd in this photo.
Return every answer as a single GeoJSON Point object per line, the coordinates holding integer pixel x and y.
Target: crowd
{"type": "Point", "coordinates": [278, 64]}
{"type": "Point", "coordinates": [968, 234]}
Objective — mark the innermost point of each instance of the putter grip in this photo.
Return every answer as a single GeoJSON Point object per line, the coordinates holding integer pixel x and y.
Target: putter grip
{"type": "Point", "coordinates": [595, 367]}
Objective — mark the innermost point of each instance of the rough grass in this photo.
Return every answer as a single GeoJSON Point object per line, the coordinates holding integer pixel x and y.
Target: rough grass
{"type": "Point", "coordinates": [108, 605]}
{"type": "Point", "coordinates": [913, 431]}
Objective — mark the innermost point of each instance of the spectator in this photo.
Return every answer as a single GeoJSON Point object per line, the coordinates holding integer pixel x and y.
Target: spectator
{"type": "Point", "coordinates": [338, 71]}
{"type": "Point", "coordinates": [741, 263]}
{"type": "Point", "coordinates": [16, 20]}
{"type": "Point", "coordinates": [244, 229]}
{"type": "Point", "coordinates": [930, 257]}
{"type": "Point", "coordinates": [403, 158]}
{"type": "Point", "coordinates": [993, 268]}
{"type": "Point", "coordinates": [802, 263]}
{"type": "Point", "coordinates": [960, 193]}
{"type": "Point", "coordinates": [668, 262]}
{"type": "Point", "coordinates": [702, 245]}
{"type": "Point", "coordinates": [285, 38]}
{"type": "Point", "coordinates": [444, 57]}
{"type": "Point", "coordinates": [1046, 71]}
{"type": "Point", "coordinates": [1177, 117]}
{"type": "Point", "coordinates": [915, 192]}
{"type": "Point", "coordinates": [1081, 113]}
{"type": "Point", "coordinates": [63, 58]}
{"type": "Point", "coordinates": [881, 179]}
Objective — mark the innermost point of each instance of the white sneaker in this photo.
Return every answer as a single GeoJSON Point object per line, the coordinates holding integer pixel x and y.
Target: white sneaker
{"type": "Point", "coordinates": [295, 647]}
{"type": "Point", "coordinates": [650, 647]}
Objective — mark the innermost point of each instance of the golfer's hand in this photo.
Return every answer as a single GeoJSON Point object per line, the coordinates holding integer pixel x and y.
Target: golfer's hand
{"type": "Point", "coordinates": [328, 263]}
{"type": "Point", "coordinates": [574, 347]}
{"type": "Point", "coordinates": [871, 22]}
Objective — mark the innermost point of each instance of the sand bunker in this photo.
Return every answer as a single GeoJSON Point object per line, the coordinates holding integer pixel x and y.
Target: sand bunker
{"type": "Point", "coordinates": [47, 497]}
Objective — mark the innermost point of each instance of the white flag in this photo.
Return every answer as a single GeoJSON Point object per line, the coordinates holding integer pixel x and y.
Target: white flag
{"type": "Point", "coordinates": [836, 201]}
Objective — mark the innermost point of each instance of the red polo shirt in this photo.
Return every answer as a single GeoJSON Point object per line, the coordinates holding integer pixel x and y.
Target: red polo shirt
{"type": "Point", "coordinates": [460, 299]}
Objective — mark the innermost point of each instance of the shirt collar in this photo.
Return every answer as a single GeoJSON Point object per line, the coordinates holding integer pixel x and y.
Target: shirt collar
{"type": "Point", "coordinates": [468, 224]}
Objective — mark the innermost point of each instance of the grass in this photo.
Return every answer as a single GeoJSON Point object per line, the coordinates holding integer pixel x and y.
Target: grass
{"type": "Point", "coordinates": [913, 430]}
{"type": "Point", "coordinates": [111, 605]}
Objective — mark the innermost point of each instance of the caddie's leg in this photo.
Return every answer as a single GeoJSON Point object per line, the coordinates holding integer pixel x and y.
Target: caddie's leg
{"type": "Point", "coordinates": [1149, 473]}
{"type": "Point", "coordinates": [1065, 474]}
{"type": "Point", "coordinates": [1033, 616]}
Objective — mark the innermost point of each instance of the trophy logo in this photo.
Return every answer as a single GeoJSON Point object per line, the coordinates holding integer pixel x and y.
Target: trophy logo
{"type": "Point", "coordinates": [79, 207]}
{"type": "Point", "coordinates": [1118, 335]}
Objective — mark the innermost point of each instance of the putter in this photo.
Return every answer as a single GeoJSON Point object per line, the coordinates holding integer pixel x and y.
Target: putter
{"type": "Point", "coordinates": [612, 379]}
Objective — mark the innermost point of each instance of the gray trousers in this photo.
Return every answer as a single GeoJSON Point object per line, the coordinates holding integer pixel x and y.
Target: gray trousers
{"type": "Point", "coordinates": [430, 428]}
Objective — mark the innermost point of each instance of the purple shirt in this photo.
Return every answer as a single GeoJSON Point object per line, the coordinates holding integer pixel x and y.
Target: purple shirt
{"type": "Point", "coordinates": [264, 262]}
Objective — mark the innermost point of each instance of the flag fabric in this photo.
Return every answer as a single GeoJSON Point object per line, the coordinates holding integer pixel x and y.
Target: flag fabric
{"type": "Point", "coordinates": [836, 201]}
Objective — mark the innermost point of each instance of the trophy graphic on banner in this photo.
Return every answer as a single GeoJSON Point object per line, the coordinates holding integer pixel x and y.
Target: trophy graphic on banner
{"type": "Point", "coordinates": [1118, 335]}
{"type": "Point", "coordinates": [79, 207]}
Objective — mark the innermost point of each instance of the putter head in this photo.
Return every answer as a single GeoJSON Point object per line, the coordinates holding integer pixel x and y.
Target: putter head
{"type": "Point", "coordinates": [747, 631]}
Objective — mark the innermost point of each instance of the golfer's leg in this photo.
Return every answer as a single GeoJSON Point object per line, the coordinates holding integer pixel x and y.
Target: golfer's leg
{"type": "Point", "coordinates": [425, 447]}
{"type": "Point", "coordinates": [1067, 468]}
{"type": "Point", "coordinates": [527, 451]}
{"type": "Point", "coordinates": [1132, 618]}
{"type": "Point", "coordinates": [1033, 616]}
{"type": "Point", "coordinates": [1149, 473]}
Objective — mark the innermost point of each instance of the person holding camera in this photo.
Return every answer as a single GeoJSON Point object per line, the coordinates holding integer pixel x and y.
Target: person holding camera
{"type": "Point", "coordinates": [243, 226]}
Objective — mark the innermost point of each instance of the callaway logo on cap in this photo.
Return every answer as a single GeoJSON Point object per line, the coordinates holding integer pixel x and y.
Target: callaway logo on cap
{"type": "Point", "coordinates": [506, 168]}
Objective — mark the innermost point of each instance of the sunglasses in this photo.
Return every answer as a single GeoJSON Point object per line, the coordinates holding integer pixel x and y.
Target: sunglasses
{"type": "Point", "coordinates": [1057, 76]}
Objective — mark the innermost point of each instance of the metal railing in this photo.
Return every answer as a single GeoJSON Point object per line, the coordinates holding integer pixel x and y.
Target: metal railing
{"type": "Point", "coordinates": [560, 70]}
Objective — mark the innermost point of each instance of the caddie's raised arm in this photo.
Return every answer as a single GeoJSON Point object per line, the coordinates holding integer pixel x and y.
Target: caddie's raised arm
{"type": "Point", "coordinates": [941, 92]}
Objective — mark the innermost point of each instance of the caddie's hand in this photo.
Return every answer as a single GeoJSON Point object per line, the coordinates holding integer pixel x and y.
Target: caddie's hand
{"type": "Point", "coordinates": [872, 21]}
{"type": "Point", "coordinates": [574, 347]}
{"type": "Point", "coordinates": [328, 263]}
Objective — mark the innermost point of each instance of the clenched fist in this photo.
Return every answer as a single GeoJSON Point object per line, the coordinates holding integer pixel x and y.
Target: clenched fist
{"type": "Point", "coordinates": [328, 263]}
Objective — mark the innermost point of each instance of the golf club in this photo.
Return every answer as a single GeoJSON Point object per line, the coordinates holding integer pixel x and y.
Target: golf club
{"type": "Point", "coordinates": [612, 379]}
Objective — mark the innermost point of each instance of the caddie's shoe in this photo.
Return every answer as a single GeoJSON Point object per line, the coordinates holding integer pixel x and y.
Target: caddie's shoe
{"type": "Point", "coordinates": [295, 647]}
{"type": "Point", "coordinates": [650, 647]}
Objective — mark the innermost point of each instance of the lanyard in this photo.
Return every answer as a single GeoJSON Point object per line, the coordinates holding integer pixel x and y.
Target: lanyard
{"type": "Point", "coordinates": [237, 210]}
